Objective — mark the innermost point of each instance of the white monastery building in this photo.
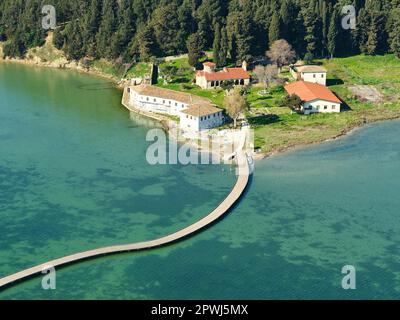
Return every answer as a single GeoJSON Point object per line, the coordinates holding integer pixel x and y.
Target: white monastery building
{"type": "Point", "coordinates": [315, 97]}
{"type": "Point", "coordinates": [209, 78]}
{"type": "Point", "coordinates": [195, 113]}
{"type": "Point", "coordinates": [313, 74]}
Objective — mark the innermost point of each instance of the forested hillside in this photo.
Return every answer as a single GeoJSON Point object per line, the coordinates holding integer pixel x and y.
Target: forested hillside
{"type": "Point", "coordinates": [235, 29]}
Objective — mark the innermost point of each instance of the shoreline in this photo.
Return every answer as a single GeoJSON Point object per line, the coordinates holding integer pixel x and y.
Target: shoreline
{"type": "Point", "coordinates": [345, 133]}
{"type": "Point", "coordinates": [121, 83]}
{"type": "Point", "coordinates": [70, 66]}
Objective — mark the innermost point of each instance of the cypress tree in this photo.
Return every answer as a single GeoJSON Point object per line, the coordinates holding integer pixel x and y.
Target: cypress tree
{"type": "Point", "coordinates": [224, 47]}
{"type": "Point", "coordinates": [310, 19]}
{"type": "Point", "coordinates": [217, 45]}
{"type": "Point", "coordinates": [194, 47]}
{"type": "Point", "coordinates": [332, 34]}
{"type": "Point", "coordinates": [274, 29]}
{"type": "Point", "coordinates": [395, 33]}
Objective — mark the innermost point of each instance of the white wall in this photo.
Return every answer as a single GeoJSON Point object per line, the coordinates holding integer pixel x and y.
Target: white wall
{"type": "Point", "coordinates": [158, 105]}
{"type": "Point", "coordinates": [201, 82]}
{"type": "Point", "coordinates": [314, 77]}
{"type": "Point", "coordinates": [189, 122]}
{"type": "Point", "coordinates": [204, 84]}
{"type": "Point", "coordinates": [211, 121]}
{"type": "Point", "coordinates": [321, 106]}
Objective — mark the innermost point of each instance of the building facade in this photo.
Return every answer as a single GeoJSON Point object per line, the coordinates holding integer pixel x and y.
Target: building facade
{"type": "Point", "coordinates": [321, 106]}
{"type": "Point", "coordinates": [315, 97]}
{"type": "Point", "coordinates": [195, 113]}
{"type": "Point", "coordinates": [209, 78]}
{"type": "Point", "coordinates": [199, 119]}
{"type": "Point", "coordinates": [313, 74]}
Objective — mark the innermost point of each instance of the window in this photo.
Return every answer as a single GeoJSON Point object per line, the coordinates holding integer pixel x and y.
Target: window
{"type": "Point", "coordinates": [325, 107]}
{"type": "Point", "coordinates": [169, 102]}
{"type": "Point", "coordinates": [322, 75]}
{"type": "Point", "coordinates": [187, 117]}
{"type": "Point", "coordinates": [314, 75]}
{"type": "Point", "coordinates": [176, 103]}
{"type": "Point", "coordinates": [147, 98]}
{"type": "Point", "coordinates": [318, 107]}
{"type": "Point", "coordinates": [155, 100]}
{"type": "Point", "coordinates": [333, 107]}
{"type": "Point", "coordinates": [163, 101]}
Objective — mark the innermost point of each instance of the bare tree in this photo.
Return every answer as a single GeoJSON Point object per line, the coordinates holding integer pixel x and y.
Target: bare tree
{"type": "Point", "coordinates": [281, 53]}
{"type": "Point", "coordinates": [235, 104]}
{"type": "Point", "coordinates": [266, 75]}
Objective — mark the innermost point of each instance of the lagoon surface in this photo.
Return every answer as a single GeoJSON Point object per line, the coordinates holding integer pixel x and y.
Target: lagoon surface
{"type": "Point", "coordinates": [73, 176]}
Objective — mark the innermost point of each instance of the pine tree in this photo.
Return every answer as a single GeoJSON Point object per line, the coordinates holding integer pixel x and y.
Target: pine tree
{"type": "Point", "coordinates": [361, 32]}
{"type": "Point", "coordinates": [166, 25]}
{"type": "Point", "coordinates": [91, 23]}
{"type": "Point", "coordinates": [395, 32]}
{"type": "Point", "coordinates": [372, 42]}
{"type": "Point", "coordinates": [73, 35]}
{"type": "Point", "coordinates": [240, 33]}
{"type": "Point", "coordinates": [126, 27]}
{"type": "Point", "coordinates": [144, 44]}
{"type": "Point", "coordinates": [107, 29]}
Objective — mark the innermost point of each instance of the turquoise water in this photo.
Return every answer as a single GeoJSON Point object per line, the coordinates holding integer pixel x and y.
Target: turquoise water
{"type": "Point", "coordinates": [73, 178]}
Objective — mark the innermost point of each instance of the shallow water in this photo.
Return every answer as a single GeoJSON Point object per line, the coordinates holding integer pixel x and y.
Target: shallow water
{"type": "Point", "coordinates": [73, 178]}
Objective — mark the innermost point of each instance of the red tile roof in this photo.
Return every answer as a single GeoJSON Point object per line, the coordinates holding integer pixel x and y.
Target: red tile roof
{"type": "Point", "coordinates": [308, 91]}
{"type": "Point", "coordinates": [226, 74]}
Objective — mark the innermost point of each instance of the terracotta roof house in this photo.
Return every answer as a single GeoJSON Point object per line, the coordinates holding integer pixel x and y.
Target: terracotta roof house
{"type": "Point", "coordinates": [315, 97]}
{"type": "Point", "coordinates": [196, 113]}
{"type": "Point", "coordinates": [209, 78]}
{"type": "Point", "coordinates": [309, 73]}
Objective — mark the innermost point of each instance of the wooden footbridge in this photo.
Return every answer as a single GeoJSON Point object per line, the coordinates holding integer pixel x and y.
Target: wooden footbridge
{"type": "Point", "coordinates": [243, 174]}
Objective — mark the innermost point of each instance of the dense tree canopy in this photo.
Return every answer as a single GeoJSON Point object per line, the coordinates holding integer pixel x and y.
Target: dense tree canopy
{"type": "Point", "coordinates": [237, 29]}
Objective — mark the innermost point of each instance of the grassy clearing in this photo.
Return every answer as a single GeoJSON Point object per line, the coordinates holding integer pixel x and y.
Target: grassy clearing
{"type": "Point", "coordinates": [279, 131]}
{"type": "Point", "coordinates": [138, 70]}
{"type": "Point", "coordinates": [106, 67]}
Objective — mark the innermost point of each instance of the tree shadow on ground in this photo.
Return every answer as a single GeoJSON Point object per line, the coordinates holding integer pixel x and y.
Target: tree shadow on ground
{"type": "Point", "coordinates": [264, 120]}
{"type": "Point", "coordinates": [334, 82]}
{"type": "Point", "coordinates": [180, 80]}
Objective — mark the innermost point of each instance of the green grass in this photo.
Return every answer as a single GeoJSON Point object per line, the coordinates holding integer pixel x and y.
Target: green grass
{"type": "Point", "coordinates": [258, 100]}
{"type": "Point", "coordinates": [138, 70]}
{"type": "Point", "coordinates": [183, 81]}
{"type": "Point", "coordinates": [279, 130]}
{"type": "Point", "coordinates": [46, 53]}
{"type": "Point", "coordinates": [106, 67]}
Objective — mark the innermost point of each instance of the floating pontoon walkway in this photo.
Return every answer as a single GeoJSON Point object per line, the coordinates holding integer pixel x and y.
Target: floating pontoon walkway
{"type": "Point", "coordinates": [243, 173]}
